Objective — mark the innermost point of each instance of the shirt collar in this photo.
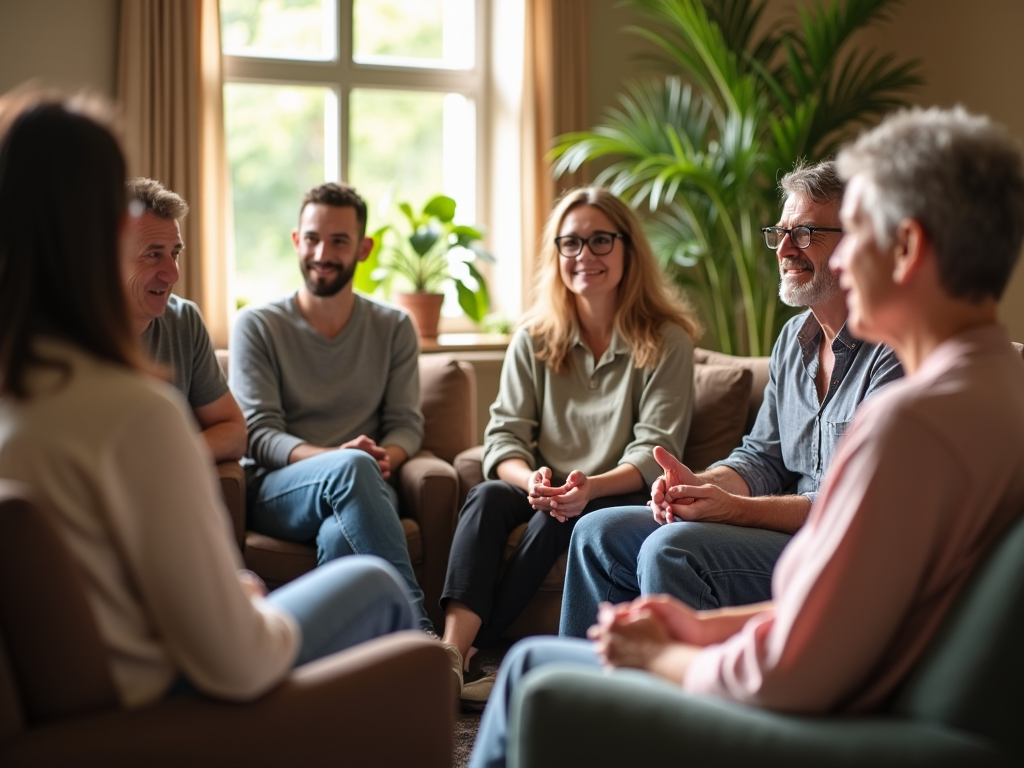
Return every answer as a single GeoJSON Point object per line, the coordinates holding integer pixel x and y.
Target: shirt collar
{"type": "Point", "coordinates": [809, 330]}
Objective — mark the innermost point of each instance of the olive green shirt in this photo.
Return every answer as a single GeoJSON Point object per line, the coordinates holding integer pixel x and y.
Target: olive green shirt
{"type": "Point", "coordinates": [594, 416]}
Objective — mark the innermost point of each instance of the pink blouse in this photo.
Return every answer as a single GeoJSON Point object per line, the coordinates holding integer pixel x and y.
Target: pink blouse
{"type": "Point", "coordinates": [929, 476]}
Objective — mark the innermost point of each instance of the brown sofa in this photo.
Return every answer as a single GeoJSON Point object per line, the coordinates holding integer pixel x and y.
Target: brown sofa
{"type": "Point", "coordinates": [728, 392]}
{"type": "Point", "coordinates": [427, 483]}
{"type": "Point", "coordinates": [58, 704]}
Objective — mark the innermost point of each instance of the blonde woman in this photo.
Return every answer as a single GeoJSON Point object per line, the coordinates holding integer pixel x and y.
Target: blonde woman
{"type": "Point", "coordinates": [599, 373]}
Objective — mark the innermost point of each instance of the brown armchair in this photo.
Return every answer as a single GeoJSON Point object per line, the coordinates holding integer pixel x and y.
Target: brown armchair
{"type": "Point", "coordinates": [427, 483]}
{"type": "Point", "coordinates": [58, 704]}
{"type": "Point", "coordinates": [728, 391]}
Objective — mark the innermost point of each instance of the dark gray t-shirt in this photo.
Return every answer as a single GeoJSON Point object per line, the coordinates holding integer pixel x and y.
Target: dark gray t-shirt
{"type": "Point", "coordinates": [179, 340]}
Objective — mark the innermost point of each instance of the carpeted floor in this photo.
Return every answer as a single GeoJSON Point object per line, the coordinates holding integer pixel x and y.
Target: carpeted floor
{"type": "Point", "coordinates": [484, 662]}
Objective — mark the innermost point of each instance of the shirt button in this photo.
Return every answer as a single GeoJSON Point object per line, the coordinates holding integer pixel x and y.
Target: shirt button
{"type": "Point", "coordinates": [593, 382]}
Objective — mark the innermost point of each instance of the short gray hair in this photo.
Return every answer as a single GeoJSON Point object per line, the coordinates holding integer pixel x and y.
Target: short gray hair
{"type": "Point", "coordinates": [819, 182]}
{"type": "Point", "coordinates": [961, 177]}
{"type": "Point", "coordinates": [157, 199]}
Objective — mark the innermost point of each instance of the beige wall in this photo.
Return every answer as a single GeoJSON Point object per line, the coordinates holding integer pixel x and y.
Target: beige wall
{"type": "Point", "coordinates": [971, 54]}
{"type": "Point", "coordinates": [66, 43]}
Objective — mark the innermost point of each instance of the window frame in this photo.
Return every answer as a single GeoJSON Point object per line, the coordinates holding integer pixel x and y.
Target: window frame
{"type": "Point", "coordinates": [343, 75]}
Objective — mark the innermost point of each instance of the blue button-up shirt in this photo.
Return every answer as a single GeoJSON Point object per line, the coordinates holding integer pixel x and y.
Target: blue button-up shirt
{"type": "Point", "coordinates": [795, 436]}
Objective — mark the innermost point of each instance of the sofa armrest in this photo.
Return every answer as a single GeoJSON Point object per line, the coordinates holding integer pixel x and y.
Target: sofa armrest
{"type": "Point", "coordinates": [470, 467]}
{"type": "Point", "coordinates": [232, 486]}
{"type": "Point", "coordinates": [557, 711]}
{"type": "Point", "coordinates": [429, 493]}
{"type": "Point", "coordinates": [402, 681]}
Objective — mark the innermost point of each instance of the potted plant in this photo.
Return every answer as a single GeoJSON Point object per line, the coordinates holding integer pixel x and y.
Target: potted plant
{"type": "Point", "coordinates": [702, 149]}
{"type": "Point", "coordinates": [412, 262]}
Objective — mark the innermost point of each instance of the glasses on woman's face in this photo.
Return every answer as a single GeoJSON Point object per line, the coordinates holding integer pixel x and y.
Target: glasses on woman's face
{"type": "Point", "coordinates": [801, 236]}
{"type": "Point", "coordinates": [600, 244]}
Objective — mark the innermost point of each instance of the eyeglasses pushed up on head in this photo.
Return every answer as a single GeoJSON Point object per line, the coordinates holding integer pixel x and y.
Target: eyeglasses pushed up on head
{"type": "Point", "coordinates": [801, 236]}
{"type": "Point", "coordinates": [601, 244]}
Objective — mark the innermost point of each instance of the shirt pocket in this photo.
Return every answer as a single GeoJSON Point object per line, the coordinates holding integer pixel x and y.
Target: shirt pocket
{"type": "Point", "coordinates": [833, 435]}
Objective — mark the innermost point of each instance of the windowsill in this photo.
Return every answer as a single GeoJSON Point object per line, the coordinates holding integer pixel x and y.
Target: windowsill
{"type": "Point", "coordinates": [466, 342]}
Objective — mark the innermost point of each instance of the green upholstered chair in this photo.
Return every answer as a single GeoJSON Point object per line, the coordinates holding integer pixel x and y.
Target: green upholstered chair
{"type": "Point", "coordinates": [963, 704]}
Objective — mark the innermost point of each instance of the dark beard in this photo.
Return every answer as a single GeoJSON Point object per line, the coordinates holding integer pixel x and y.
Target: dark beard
{"type": "Point", "coordinates": [319, 287]}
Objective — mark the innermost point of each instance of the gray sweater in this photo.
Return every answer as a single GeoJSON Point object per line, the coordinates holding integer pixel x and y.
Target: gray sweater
{"type": "Point", "coordinates": [296, 386]}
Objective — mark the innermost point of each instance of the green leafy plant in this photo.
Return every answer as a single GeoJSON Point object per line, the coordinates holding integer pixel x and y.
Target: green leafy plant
{"type": "Point", "coordinates": [424, 252]}
{"type": "Point", "coordinates": [701, 150]}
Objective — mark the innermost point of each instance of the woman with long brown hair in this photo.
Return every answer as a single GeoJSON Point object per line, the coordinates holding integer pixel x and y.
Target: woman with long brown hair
{"type": "Point", "coordinates": [112, 452]}
{"type": "Point", "coordinates": [599, 372]}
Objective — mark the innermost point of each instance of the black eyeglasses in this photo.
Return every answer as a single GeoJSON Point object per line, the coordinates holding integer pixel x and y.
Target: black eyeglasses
{"type": "Point", "coordinates": [801, 236]}
{"type": "Point", "coordinates": [601, 244]}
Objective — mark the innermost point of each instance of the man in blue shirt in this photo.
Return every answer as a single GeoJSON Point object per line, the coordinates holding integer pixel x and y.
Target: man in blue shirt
{"type": "Point", "coordinates": [742, 511]}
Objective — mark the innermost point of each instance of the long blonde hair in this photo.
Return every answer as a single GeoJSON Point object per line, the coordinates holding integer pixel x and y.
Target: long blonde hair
{"type": "Point", "coordinates": [644, 302]}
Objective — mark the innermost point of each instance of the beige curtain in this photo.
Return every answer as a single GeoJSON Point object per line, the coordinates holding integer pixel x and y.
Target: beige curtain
{"type": "Point", "coordinates": [169, 84]}
{"type": "Point", "coordinates": [555, 102]}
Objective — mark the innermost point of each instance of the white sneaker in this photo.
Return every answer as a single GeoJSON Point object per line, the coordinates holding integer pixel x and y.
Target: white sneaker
{"type": "Point", "coordinates": [455, 657]}
{"type": "Point", "coordinates": [475, 694]}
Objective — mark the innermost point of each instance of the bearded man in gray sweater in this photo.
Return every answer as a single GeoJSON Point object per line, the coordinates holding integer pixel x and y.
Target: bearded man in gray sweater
{"type": "Point", "coordinates": [329, 385]}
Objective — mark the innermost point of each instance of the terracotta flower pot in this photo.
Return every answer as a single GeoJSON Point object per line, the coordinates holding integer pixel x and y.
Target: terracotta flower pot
{"type": "Point", "coordinates": [424, 309]}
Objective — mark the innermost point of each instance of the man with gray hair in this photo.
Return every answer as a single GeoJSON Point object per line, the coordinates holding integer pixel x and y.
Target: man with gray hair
{"type": "Point", "coordinates": [171, 329]}
{"type": "Point", "coordinates": [715, 536]}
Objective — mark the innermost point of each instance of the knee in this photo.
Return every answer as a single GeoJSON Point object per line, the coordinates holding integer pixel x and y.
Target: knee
{"type": "Point", "coordinates": [667, 547]}
{"type": "Point", "coordinates": [530, 653]}
{"type": "Point", "coordinates": [367, 575]}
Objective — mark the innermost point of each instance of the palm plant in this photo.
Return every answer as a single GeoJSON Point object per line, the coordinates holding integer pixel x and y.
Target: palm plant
{"type": "Point", "coordinates": [701, 150]}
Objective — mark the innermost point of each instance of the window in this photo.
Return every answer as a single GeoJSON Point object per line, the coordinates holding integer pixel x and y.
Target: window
{"type": "Point", "coordinates": [389, 95]}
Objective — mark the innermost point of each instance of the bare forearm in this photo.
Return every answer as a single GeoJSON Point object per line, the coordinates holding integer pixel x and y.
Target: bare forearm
{"type": "Point", "coordinates": [785, 514]}
{"type": "Point", "coordinates": [516, 472]}
{"type": "Point", "coordinates": [227, 441]}
{"type": "Point", "coordinates": [719, 624]}
{"type": "Point", "coordinates": [729, 480]}
{"type": "Point", "coordinates": [625, 478]}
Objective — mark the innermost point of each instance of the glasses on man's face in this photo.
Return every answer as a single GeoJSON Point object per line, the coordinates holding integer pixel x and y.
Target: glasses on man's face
{"type": "Point", "coordinates": [800, 236]}
{"type": "Point", "coordinates": [600, 243]}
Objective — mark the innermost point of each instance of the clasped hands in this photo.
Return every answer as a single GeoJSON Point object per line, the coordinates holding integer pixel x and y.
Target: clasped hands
{"type": "Point", "coordinates": [562, 501]}
{"type": "Point", "coordinates": [678, 492]}
{"type": "Point", "coordinates": [656, 633]}
{"type": "Point", "coordinates": [363, 443]}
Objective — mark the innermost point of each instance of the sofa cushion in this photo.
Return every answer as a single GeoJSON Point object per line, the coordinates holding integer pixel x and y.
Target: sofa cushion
{"type": "Point", "coordinates": [720, 396]}
{"type": "Point", "coordinates": [445, 388]}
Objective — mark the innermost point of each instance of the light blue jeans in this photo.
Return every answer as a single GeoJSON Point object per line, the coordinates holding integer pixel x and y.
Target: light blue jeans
{"type": "Point", "coordinates": [618, 554]}
{"type": "Point", "coordinates": [491, 748]}
{"type": "Point", "coordinates": [343, 603]}
{"type": "Point", "coordinates": [339, 500]}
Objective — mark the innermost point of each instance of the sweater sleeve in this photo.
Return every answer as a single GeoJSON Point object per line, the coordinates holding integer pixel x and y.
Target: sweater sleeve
{"type": "Point", "coordinates": [401, 419]}
{"type": "Point", "coordinates": [172, 530]}
{"type": "Point", "coordinates": [512, 430]}
{"type": "Point", "coordinates": [666, 406]}
{"type": "Point", "coordinates": [255, 382]}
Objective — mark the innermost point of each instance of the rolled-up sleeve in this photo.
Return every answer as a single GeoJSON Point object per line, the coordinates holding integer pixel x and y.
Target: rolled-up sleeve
{"type": "Point", "coordinates": [512, 430]}
{"type": "Point", "coordinates": [666, 406]}
{"type": "Point", "coordinates": [759, 460]}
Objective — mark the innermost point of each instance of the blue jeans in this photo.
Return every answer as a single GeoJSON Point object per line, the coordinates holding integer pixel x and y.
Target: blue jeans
{"type": "Point", "coordinates": [338, 605]}
{"type": "Point", "coordinates": [618, 554]}
{"type": "Point", "coordinates": [340, 500]}
{"type": "Point", "coordinates": [491, 748]}
{"type": "Point", "coordinates": [344, 603]}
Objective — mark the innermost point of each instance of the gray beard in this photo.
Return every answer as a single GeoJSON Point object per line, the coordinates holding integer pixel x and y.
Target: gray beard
{"type": "Point", "coordinates": [823, 286]}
